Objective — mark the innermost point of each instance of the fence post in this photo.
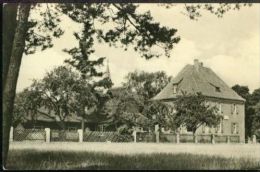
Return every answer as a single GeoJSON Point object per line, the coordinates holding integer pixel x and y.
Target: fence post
{"type": "Point", "coordinates": [195, 138]}
{"type": "Point", "coordinates": [228, 139]}
{"type": "Point", "coordinates": [11, 134]}
{"type": "Point", "coordinates": [156, 128]}
{"type": "Point", "coordinates": [80, 132]}
{"type": "Point", "coordinates": [134, 134]}
{"type": "Point", "coordinates": [178, 137]}
{"type": "Point", "coordinates": [249, 140]}
{"type": "Point", "coordinates": [213, 139]}
{"type": "Point", "coordinates": [157, 136]}
{"type": "Point", "coordinates": [48, 135]}
{"type": "Point", "coordinates": [254, 139]}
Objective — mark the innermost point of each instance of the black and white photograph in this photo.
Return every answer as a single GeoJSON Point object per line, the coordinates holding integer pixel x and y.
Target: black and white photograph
{"type": "Point", "coordinates": [130, 86]}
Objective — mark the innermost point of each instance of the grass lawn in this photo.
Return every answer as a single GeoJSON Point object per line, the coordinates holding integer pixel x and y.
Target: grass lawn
{"type": "Point", "coordinates": [152, 156]}
{"type": "Point", "coordinates": [35, 160]}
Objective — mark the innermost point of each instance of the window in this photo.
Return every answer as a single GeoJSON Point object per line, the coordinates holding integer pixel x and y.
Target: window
{"type": "Point", "coordinates": [220, 108]}
{"type": "Point", "coordinates": [234, 109]}
{"type": "Point", "coordinates": [234, 128]}
{"type": "Point", "coordinates": [219, 128]}
{"type": "Point", "coordinates": [217, 89]}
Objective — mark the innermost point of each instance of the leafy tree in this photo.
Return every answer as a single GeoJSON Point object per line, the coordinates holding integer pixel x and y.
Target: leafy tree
{"type": "Point", "coordinates": [64, 92]}
{"type": "Point", "coordinates": [194, 11]}
{"type": "Point", "coordinates": [28, 35]}
{"type": "Point", "coordinates": [124, 111]}
{"type": "Point", "coordinates": [254, 100]}
{"type": "Point", "coordinates": [193, 111]}
{"type": "Point", "coordinates": [139, 87]}
{"type": "Point", "coordinates": [255, 97]}
{"type": "Point", "coordinates": [146, 84]}
{"type": "Point", "coordinates": [159, 113]}
{"type": "Point", "coordinates": [26, 102]}
{"type": "Point", "coordinates": [256, 120]}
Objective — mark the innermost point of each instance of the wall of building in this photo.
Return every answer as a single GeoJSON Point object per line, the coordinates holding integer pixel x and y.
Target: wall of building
{"type": "Point", "coordinates": [229, 118]}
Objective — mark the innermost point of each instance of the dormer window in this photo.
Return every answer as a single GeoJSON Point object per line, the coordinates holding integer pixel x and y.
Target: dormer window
{"type": "Point", "coordinates": [217, 89]}
{"type": "Point", "coordinates": [175, 89]}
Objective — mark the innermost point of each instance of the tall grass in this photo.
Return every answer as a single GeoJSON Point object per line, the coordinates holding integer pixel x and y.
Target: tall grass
{"type": "Point", "coordinates": [44, 160]}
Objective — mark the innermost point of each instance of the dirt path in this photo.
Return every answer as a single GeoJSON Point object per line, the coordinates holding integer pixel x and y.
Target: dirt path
{"type": "Point", "coordinates": [226, 150]}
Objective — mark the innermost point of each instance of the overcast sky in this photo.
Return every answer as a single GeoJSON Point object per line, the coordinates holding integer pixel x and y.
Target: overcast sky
{"type": "Point", "coordinates": [230, 46]}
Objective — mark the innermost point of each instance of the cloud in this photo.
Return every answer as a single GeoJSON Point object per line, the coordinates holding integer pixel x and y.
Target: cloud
{"type": "Point", "coordinates": [229, 45]}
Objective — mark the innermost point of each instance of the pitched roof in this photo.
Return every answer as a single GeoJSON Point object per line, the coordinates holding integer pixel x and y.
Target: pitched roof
{"type": "Point", "coordinates": [49, 116]}
{"type": "Point", "coordinates": [197, 78]}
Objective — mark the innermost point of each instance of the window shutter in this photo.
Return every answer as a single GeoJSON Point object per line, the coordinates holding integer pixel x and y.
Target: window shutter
{"type": "Point", "coordinates": [231, 108]}
{"type": "Point", "coordinates": [232, 128]}
{"type": "Point", "coordinates": [237, 128]}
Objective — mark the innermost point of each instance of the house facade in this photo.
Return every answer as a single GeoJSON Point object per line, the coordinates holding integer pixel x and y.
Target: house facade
{"type": "Point", "coordinates": [197, 78]}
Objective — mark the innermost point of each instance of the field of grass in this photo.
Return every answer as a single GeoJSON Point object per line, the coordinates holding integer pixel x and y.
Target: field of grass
{"type": "Point", "coordinates": [27, 156]}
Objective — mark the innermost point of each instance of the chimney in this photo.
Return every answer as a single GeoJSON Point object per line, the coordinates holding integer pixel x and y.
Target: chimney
{"type": "Point", "coordinates": [196, 64]}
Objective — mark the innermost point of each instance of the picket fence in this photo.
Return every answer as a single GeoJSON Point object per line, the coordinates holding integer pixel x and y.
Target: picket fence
{"type": "Point", "coordinates": [47, 135]}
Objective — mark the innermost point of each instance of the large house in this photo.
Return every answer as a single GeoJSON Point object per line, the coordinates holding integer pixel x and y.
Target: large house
{"type": "Point", "coordinates": [198, 78]}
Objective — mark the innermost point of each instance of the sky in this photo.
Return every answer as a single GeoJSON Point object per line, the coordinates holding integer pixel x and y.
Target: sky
{"type": "Point", "coordinates": [230, 46]}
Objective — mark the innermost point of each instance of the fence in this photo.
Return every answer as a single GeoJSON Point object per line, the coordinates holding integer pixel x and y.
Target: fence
{"type": "Point", "coordinates": [47, 135]}
{"type": "Point", "coordinates": [61, 135]}
{"type": "Point", "coordinates": [29, 134]}
{"type": "Point", "coordinates": [97, 136]}
{"type": "Point", "coordinates": [145, 137]}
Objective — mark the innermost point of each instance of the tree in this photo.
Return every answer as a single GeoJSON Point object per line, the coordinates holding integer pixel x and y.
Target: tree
{"type": "Point", "coordinates": [256, 120]}
{"type": "Point", "coordinates": [12, 74]}
{"type": "Point", "coordinates": [131, 28]}
{"type": "Point", "coordinates": [146, 84]}
{"type": "Point", "coordinates": [254, 101]}
{"type": "Point", "coordinates": [26, 103]}
{"type": "Point", "coordinates": [255, 97]}
{"type": "Point", "coordinates": [193, 111]}
{"type": "Point", "coordinates": [159, 113]}
{"type": "Point", "coordinates": [64, 92]}
{"type": "Point", "coordinates": [124, 111]}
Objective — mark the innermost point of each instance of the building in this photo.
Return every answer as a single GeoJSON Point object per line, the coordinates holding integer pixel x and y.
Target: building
{"type": "Point", "coordinates": [47, 119]}
{"type": "Point", "coordinates": [198, 78]}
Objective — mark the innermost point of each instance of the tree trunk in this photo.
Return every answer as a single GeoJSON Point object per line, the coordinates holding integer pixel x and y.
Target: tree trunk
{"type": "Point", "coordinates": [83, 124]}
{"type": "Point", "coordinates": [9, 20]}
{"type": "Point", "coordinates": [12, 74]}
